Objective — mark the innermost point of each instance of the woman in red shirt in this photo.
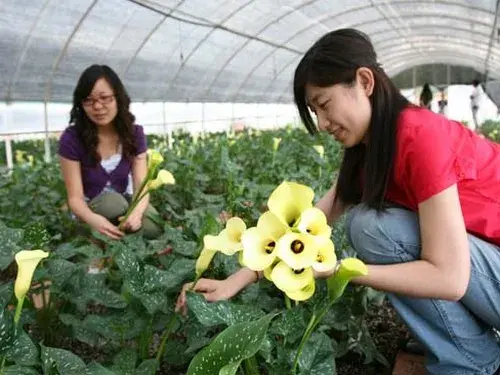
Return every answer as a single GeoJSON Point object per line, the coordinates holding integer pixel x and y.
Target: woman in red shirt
{"type": "Point", "coordinates": [423, 200]}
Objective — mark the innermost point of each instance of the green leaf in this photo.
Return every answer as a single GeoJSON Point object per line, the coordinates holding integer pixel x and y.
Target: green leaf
{"type": "Point", "coordinates": [230, 368]}
{"type": "Point", "coordinates": [20, 370]}
{"type": "Point", "coordinates": [124, 362]}
{"type": "Point", "coordinates": [291, 325]}
{"type": "Point", "coordinates": [148, 367]}
{"type": "Point", "coordinates": [9, 245]}
{"type": "Point", "coordinates": [96, 369]}
{"type": "Point", "coordinates": [61, 271]}
{"type": "Point", "coordinates": [68, 250]}
{"type": "Point", "coordinates": [23, 351]}
{"type": "Point", "coordinates": [175, 238]}
{"type": "Point", "coordinates": [222, 312]}
{"type": "Point", "coordinates": [234, 344]}
{"type": "Point", "coordinates": [6, 293]}
{"type": "Point", "coordinates": [7, 331]}
{"type": "Point", "coordinates": [317, 357]}
{"type": "Point", "coordinates": [180, 270]}
{"type": "Point", "coordinates": [62, 361]}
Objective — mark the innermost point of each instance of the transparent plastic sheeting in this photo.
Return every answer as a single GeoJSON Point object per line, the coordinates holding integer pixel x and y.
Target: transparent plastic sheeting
{"type": "Point", "coordinates": [224, 50]}
{"type": "Point", "coordinates": [25, 120]}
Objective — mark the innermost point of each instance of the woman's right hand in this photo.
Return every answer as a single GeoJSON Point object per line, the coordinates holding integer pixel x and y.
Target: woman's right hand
{"type": "Point", "coordinates": [103, 226]}
{"type": "Point", "coordinates": [212, 290]}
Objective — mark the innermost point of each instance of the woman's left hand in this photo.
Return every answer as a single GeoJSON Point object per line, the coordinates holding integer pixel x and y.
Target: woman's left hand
{"type": "Point", "coordinates": [133, 222]}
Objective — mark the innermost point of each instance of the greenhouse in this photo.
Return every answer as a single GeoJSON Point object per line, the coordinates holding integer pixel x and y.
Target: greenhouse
{"type": "Point", "coordinates": [249, 187]}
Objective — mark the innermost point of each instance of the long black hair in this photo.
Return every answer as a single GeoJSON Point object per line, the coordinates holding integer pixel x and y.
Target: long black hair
{"type": "Point", "coordinates": [123, 122]}
{"type": "Point", "coordinates": [366, 168]}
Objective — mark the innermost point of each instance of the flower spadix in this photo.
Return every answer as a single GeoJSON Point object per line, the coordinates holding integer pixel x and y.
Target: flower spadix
{"type": "Point", "coordinates": [313, 221]}
{"type": "Point", "coordinates": [298, 250]}
{"type": "Point", "coordinates": [259, 243]}
{"type": "Point", "coordinates": [289, 280]}
{"type": "Point", "coordinates": [289, 200]}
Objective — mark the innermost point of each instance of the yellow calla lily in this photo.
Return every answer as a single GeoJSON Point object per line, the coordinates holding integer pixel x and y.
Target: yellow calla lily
{"type": "Point", "coordinates": [267, 272]}
{"type": "Point", "coordinates": [348, 269]}
{"type": "Point", "coordinates": [304, 293]}
{"type": "Point", "coordinates": [326, 259]}
{"type": "Point", "coordinates": [276, 143]}
{"type": "Point", "coordinates": [154, 159]}
{"type": "Point", "coordinates": [204, 261]}
{"type": "Point", "coordinates": [289, 280]}
{"type": "Point", "coordinates": [164, 177]}
{"type": "Point", "coordinates": [229, 239]}
{"type": "Point", "coordinates": [313, 221]}
{"type": "Point", "coordinates": [258, 250]}
{"type": "Point", "coordinates": [297, 250]}
{"type": "Point", "coordinates": [289, 200]}
{"type": "Point", "coordinates": [259, 242]}
{"type": "Point", "coordinates": [27, 261]}
{"type": "Point", "coordinates": [320, 149]}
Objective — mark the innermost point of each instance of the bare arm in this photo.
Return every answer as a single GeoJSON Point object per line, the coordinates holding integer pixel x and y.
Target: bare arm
{"type": "Point", "coordinates": [73, 181]}
{"type": "Point", "coordinates": [444, 268]}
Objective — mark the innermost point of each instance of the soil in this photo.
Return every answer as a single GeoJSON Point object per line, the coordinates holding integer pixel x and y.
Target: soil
{"type": "Point", "coordinates": [389, 334]}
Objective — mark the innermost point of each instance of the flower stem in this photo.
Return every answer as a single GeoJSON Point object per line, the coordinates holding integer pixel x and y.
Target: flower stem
{"type": "Point", "coordinates": [164, 337]}
{"type": "Point", "coordinates": [251, 366]}
{"type": "Point", "coordinates": [288, 303]}
{"type": "Point", "coordinates": [134, 204]}
{"type": "Point", "coordinates": [310, 327]}
{"type": "Point", "coordinates": [19, 309]}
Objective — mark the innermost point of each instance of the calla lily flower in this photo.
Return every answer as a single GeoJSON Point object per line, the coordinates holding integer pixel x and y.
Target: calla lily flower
{"type": "Point", "coordinates": [259, 242]}
{"type": "Point", "coordinates": [326, 259]}
{"type": "Point", "coordinates": [348, 269]}
{"type": "Point", "coordinates": [164, 177]}
{"type": "Point", "coordinates": [298, 250]}
{"type": "Point", "coordinates": [304, 293]}
{"type": "Point", "coordinates": [229, 239]}
{"type": "Point", "coordinates": [313, 221]}
{"type": "Point", "coordinates": [289, 200]}
{"type": "Point", "coordinates": [27, 261]}
{"type": "Point", "coordinates": [289, 280]}
{"type": "Point", "coordinates": [154, 159]}
{"type": "Point", "coordinates": [320, 149]}
{"type": "Point", "coordinates": [276, 143]}
{"type": "Point", "coordinates": [204, 260]}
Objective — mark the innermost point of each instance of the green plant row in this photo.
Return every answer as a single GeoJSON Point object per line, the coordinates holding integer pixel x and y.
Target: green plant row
{"type": "Point", "coordinates": [121, 320]}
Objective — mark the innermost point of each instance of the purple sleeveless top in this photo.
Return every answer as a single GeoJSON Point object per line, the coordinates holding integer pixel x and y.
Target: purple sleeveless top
{"type": "Point", "coordinates": [94, 177]}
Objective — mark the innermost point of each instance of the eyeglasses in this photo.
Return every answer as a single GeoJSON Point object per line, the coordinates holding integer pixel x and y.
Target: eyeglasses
{"type": "Point", "coordinates": [102, 99]}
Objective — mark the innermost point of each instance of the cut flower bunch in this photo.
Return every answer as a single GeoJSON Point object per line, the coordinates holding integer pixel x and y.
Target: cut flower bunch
{"type": "Point", "coordinates": [290, 243]}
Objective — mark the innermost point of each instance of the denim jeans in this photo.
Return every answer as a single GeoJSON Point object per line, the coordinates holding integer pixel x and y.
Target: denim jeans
{"type": "Point", "coordinates": [458, 336]}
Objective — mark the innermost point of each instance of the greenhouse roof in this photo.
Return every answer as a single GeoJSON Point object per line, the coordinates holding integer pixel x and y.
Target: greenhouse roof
{"type": "Point", "coordinates": [226, 50]}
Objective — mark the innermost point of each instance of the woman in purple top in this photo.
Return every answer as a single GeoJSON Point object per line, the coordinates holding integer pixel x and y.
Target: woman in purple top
{"type": "Point", "coordinates": [103, 156]}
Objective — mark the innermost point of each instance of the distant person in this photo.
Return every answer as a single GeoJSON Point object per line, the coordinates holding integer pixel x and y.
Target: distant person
{"type": "Point", "coordinates": [475, 101]}
{"type": "Point", "coordinates": [103, 156]}
{"type": "Point", "coordinates": [426, 96]}
{"type": "Point", "coordinates": [443, 102]}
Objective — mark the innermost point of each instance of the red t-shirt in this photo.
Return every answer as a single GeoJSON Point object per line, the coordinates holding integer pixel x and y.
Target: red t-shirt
{"type": "Point", "coordinates": [433, 153]}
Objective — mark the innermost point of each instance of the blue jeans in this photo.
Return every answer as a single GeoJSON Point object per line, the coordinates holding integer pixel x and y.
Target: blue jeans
{"type": "Point", "coordinates": [458, 336]}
